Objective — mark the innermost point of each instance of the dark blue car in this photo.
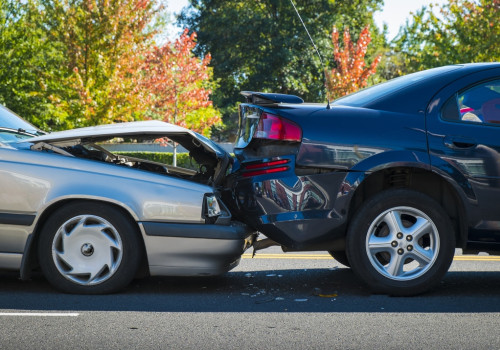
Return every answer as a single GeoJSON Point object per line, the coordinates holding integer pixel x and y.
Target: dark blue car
{"type": "Point", "coordinates": [389, 180]}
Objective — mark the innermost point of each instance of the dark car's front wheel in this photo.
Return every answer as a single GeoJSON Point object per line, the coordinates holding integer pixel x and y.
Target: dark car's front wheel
{"type": "Point", "coordinates": [89, 248]}
{"type": "Point", "coordinates": [400, 242]}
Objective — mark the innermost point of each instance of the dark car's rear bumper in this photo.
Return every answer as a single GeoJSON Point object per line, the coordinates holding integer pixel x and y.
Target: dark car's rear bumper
{"type": "Point", "coordinates": [299, 212]}
{"type": "Point", "coordinates": [195, 249]}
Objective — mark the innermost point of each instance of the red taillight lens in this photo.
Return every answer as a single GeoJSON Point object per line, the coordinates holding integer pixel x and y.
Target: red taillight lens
{"type": "Point", "coordinates": [272, 127]}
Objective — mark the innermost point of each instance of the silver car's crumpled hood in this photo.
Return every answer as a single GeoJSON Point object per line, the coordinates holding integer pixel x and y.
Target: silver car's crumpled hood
{"type": "Point", "coordinates": [214, 158]}
{"type": "Point", "coordinates": [145, 128]}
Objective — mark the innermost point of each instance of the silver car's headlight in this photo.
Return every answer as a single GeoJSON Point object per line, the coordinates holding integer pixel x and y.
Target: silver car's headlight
{"type": "Point", "coordinates": [212, 207]}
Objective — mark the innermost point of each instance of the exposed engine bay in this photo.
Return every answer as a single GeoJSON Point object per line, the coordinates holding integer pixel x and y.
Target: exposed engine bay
{"type": "Point", "coordinates": [205, 167]}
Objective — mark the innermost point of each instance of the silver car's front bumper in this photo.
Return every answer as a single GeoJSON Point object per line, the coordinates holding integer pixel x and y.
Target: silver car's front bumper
{"type": "Point", "coordinates": [194, 249]}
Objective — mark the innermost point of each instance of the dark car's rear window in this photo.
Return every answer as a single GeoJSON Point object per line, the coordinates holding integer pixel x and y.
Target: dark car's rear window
{"type": "Point", "coordinates": [372, 94]}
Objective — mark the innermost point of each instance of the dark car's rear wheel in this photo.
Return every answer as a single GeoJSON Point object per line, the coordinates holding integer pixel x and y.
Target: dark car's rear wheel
{"type": "Point", "coordinates": [89, 248]}
{"type": "Point", "coordinates": [400, 242]}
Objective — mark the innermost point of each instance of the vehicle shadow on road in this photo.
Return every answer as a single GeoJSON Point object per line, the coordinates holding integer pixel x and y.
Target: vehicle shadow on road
{"type": "Point", "coordinates": [300, 290]}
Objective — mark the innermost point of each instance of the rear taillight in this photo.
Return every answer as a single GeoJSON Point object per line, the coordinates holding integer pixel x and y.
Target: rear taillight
{"type": "Point", "coordinates": [273, 127]}
{"type": "Point", "coordinates": [274, 166]}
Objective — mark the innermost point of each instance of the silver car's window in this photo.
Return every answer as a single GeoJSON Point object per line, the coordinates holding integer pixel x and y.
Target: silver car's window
{"type": "Point", "coordinates": [10, 120]}
{"type": "Point", "coordinates": [12, 138]}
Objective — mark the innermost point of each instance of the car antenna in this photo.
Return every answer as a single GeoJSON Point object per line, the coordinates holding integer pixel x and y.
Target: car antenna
{"type": "Point", "coordinates": [317, 51]}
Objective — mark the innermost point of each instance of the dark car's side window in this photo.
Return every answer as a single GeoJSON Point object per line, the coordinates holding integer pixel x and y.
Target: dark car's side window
{"type": "Point", "coordinates": [477, 104]}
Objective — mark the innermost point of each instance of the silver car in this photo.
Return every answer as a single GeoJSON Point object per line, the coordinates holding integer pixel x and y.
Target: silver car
{"type": "Point", "coordinates": [93, 220]}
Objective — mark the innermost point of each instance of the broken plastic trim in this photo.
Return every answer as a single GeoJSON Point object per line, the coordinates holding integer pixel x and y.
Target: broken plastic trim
{"type": "Point", "coordinates": [263, 244]}
{"type": "Point", "coordinates": [40, 146]}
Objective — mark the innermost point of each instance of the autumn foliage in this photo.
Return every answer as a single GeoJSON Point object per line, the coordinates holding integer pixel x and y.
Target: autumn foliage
{"type": "Point", "coordinates": [90, 62]}
{"type": "Point", "coordinates": [176, 85]}
{"type": "Point", "coordinates": [102, 42]}
{"type": "Point", "coordinates": [350, 72]}
{"type": "Point", "coordinates": [464, 31]}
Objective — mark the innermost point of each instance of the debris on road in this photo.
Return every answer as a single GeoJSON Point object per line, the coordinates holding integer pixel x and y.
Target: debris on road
{"type": "Point", "coordinates": [319, 293]}
{"type": "Point", "coordinates": [263, 301]}
{"type": "Point", "coordinates": [328, 295]}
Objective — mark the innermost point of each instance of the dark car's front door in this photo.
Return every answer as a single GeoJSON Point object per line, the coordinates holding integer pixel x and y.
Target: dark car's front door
{"type": "Point", "coordinates": [463, 124]}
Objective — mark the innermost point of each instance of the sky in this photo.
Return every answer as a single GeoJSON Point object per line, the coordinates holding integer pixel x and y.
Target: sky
{"type": "Point", "coordinates": [394, 13]}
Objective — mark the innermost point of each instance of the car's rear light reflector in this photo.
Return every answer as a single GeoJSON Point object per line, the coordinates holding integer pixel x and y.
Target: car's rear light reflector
{"type": "Point", "coordinates": [258, 168]}
{"type": "Point", "coordinates": [266, 164]}
{"type": "Point", "coordinates": [273, 127]}
{"type": "Point", "coordinates": [265, 171]}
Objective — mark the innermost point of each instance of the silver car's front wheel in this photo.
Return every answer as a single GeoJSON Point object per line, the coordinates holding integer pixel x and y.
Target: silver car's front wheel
{"type": "Point", "coordinates": [400, 242]}
{"type": "Point", "coordinates": [89, 248]}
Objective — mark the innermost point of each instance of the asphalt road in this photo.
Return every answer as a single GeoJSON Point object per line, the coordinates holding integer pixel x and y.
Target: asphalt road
{"type": "Point", "coordinates": [276, 301]}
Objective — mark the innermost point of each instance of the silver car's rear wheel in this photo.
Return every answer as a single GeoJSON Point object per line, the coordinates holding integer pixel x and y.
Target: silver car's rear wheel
{"type": "Point", "coordinates": [89, 248]}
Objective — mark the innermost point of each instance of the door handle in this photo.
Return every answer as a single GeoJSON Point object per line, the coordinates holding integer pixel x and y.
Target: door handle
{"type": "Point", "coordinates": [459, 142]}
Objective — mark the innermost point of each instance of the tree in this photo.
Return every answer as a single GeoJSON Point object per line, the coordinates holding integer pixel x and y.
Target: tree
{"type": "Point", "coordinates": [463, 31]}
{"type": "Point", "coordinates": [261, 45]}
{"type": "Point", "coordinates": [349, 74]}
{"type": "Point", "coordinates": [70, 63]}
{"type": "Point", "coordinates": [177, 85]}
{"type": "Point", "coordinates": [30, 64]}
{"type": "Point", "coordinates": [103, 42]}
{"type": "Point", "coordinates": [67, 63]}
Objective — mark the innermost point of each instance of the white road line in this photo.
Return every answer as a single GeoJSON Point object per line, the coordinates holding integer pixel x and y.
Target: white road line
{"type": "Point", "coordinates": [39, 314]}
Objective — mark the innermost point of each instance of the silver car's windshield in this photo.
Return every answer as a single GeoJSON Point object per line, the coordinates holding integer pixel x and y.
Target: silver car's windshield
{"type": "Point", "coordinates": [9, 120]}
{"type": "Point", "coordinates": [10, 138]}
{"type": "Point", "coordinates": [14, 130]}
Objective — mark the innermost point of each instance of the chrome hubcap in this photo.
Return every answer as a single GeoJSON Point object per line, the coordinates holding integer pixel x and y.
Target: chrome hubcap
{"type": "Point", "coordinates": [87, 250]}
{"type": "Point", "coordinates": [402, 243]}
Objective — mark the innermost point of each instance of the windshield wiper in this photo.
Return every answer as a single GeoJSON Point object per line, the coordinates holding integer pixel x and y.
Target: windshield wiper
{"type": "Point", "coordinates": [35, 133]}
{"type": "Point", "coordinates": [21, 131]}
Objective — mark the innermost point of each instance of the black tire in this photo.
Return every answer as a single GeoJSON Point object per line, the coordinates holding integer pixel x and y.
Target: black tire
{"type": "Point", "coordinates": [89, 248]}
{"type": "Point", "coordinates": [409, 258]}
{"type": "Point", "coordinates": [340, 256]}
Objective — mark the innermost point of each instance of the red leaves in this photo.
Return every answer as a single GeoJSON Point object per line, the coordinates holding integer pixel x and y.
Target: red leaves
{"type": "Point", "coordinates": [176, 84]}
{"type": "Point", "coordinates": [349, 74]}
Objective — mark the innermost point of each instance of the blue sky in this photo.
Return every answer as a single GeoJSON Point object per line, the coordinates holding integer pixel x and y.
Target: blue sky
{"type": "Point", "coordinates": [394, 13]}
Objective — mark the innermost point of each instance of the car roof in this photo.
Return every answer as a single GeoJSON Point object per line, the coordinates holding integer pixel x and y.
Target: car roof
{"type": "Point", "coordinates": [411, 93]}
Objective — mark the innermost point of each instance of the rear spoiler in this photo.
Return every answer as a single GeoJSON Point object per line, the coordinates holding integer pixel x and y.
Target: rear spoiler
{"type": "Point", "coordinates": [264, 98]}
